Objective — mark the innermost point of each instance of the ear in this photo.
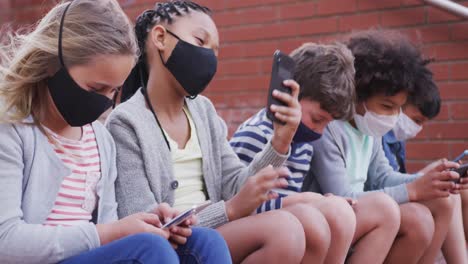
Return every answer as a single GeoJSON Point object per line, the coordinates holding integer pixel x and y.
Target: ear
{"type": "Point", "coordinates": [158, 37]}
{"type": "Point", "coordinates": [360, 108]}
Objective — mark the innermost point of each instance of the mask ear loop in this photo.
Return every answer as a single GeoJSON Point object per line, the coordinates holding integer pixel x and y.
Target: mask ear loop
{"type": "Point", "coordinates": [62, 21]}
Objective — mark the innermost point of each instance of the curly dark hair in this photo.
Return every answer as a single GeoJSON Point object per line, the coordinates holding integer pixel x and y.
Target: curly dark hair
{"type": "Point", "coordinates": [385, 61]}
{"type": "Point", "coordinates": [426, 96]}
{"type": "Point", "coordinates": [162, 12]}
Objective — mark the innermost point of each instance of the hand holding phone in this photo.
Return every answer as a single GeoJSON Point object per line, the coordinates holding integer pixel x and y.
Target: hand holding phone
{"type": "Point", "coordinates": [187, 214]}
{"type": "Point", "coordinates": [462, 171]}
{"type": "Point", "coordinates": [282, 70]}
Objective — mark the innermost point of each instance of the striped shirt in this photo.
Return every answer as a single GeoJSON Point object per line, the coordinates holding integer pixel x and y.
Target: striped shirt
{"type": "Point", "coordinates": [251, 137]}
{"type": "Point", "coordinates": [76, 199]}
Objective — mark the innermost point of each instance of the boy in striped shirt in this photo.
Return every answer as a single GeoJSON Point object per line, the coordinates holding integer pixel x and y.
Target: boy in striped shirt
{"type": "Point", "coordinates": [325, 74]}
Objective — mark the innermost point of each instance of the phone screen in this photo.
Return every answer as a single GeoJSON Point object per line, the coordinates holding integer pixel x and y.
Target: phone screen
{"type": "Point", "coordinates": [187, 214]}
{"type": "Point", "coordinates": [180, 218]}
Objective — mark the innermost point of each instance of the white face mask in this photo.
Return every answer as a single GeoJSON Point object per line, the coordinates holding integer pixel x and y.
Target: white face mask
{"type": "Point", "coordinates": [373, 124]}
{"type": "Point", "coordinates": [406, 128]}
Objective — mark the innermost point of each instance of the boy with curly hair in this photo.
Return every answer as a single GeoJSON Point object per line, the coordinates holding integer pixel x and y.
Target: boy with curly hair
{"type": "Point", "coordinates": [349, 159]}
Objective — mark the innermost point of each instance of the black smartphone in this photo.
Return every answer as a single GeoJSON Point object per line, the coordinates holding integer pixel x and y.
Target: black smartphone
{"type": "Point", "coordinates": [461, 171]}
{"type": "Point", "coordinates": [282, 69]}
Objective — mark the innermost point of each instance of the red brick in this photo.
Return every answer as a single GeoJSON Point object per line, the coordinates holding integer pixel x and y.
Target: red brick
{"type": "Point", "coordinates": [327, 7]}
{"type": "Point", "coordinates": [405, 17]}
{"type": "Point", "coordinates": [359, 21]}
{"type": "Point", "coordinates": [243, 67]}
{"type": "Point", "coordinates": [243, 17]}
{"type": "Point", "coordinates": [5, 5]}
{"type": "Point", "coordinates": [449, 51]}
{"type": "Point", "coordinates": [297, 10]}
{"type": "Point", "coordinates": [426, 151]}
{"type": "Point", "coordinates": [459, 111]}
{"type": "Point", "coordinates": [231, 4]}
{"type": "Point", "coordinates": [246, 50]}
{"type": "Point", "coordinates": [444, 113]}
{"type": "Point", "coordinates": [236, 115]}
{"type": "Point", "coordinates": [380, 4]}
{"type": "Point", "coordinates": [411, 2]}
{"type": "Point", "coordinates": [240, 83]}
{"type": "Point", "coordinates": [429, 34]}
{"type": "Point", "coordinates": [260, 49]}
{"type": "Point", "coordinates": [288, 45]}
{"type": "Point", "coordinates": [414, 166]}
{"type": "Point", "coordinates": [286, 29]}
{"type": "Point", "coordinates": [460, 31]}
{"type": "Point", "coordinates": [315, 26]}
{"type": "Point", "coordinates": [456, 149]}
{"type": "Point", "coordinates": [231, 51]}
{"type": "Point", "coordinates": [441, 71]}
{"type": "Point", "coordinates": [249, 99]}
{"type": "Point", "coordinates": [460, 71]}
{"type": "Point", "coordinates": [454, 91]}
{"type": "Point", "coordinates": [435, 15]}
{"type": "Point", "coordinates": [28, 3]}
{"type": "Point", "coordinates": [449, 130]}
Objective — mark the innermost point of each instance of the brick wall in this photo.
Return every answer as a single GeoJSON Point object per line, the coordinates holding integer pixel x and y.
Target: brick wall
{"type": "Point", "coordinates": [251, 30]}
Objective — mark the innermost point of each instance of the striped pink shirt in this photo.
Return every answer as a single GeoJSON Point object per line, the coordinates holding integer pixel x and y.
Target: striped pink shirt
{"type": "Point", "coordinates": [76, 199]}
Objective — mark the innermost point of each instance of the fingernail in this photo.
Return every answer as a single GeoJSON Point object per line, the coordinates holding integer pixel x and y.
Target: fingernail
{"type": "Point", "coordinates": [275, 92]}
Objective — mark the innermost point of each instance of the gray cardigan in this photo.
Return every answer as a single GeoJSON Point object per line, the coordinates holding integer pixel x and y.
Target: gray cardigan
{"type": "Point", "coordinates": [328, 168]}
{"type": "Point", "coordinates": [30, 178]}
{"type": "Point", "coordinates": [145, 172]}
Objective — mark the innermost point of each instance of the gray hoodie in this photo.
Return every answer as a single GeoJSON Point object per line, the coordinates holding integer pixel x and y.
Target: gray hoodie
{"type": "Point", "coordinates": [328, 172]}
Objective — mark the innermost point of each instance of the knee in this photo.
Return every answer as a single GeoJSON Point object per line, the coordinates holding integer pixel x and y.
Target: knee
{"type": "Point", "coordinates": [340, 216]}
{"type": "Point", "coordinates": [443, 206]}
{"type": "Point", "coordinates": [150, 241]}
{"type": "Point", "coordinates": [152, 248]}
{"type": "Point", "coordinates": [210, 244]}
{"type": "Point", "coordinates": [387, 210]}
{"type": "Point", "coordinates": [419, 224]}
{"type": "Point", "coordinates": [210, 238]}
{"type": "Point", "coordinates": [315, 226]}
{"type": "Point", "coordinates": [287, 235]}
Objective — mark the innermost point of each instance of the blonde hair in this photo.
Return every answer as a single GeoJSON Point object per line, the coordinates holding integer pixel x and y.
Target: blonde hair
{"type": "Point", "coordinates": [91, 28]}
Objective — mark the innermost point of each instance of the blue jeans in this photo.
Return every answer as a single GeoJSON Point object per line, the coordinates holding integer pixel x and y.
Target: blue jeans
{"type": "Point", "coordinates": [204, 246]}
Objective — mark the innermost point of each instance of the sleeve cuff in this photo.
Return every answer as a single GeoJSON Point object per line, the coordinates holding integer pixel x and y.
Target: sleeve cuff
{"type": "Point", "coordinates": [213, 216]}
{"type": "Point", "coordinates": [269, 156]}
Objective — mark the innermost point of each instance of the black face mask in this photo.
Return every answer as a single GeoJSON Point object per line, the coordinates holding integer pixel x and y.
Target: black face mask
{"type": "Point", "coordinates": [305, 134]}
{"type": "Point", "coordinates": [76, 105]}
{"type": "Point", "coordinates": [192, 66]}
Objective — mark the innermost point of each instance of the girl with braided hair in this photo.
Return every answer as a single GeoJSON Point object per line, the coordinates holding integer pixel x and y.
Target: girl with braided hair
{"type": "Point", "coordinates": [172, 146]}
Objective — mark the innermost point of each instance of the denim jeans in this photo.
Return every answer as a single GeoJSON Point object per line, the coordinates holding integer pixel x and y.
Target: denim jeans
{"type": "Point", "coordinates": [203, 246]}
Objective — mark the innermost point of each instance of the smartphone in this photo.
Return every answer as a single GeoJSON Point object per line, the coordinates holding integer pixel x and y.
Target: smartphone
{"type": "Point", "coordinates": [461, 171]}
{"type": "Point", "coordinates": [187, 214]}
{"type": "Point", "coordinates": [461, 156]}
{"type": "Point", "coordinates": [282, 69]}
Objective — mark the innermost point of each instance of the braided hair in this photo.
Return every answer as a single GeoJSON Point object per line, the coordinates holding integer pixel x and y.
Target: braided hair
{"type": "Point", "coordinates": [163, 12]}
